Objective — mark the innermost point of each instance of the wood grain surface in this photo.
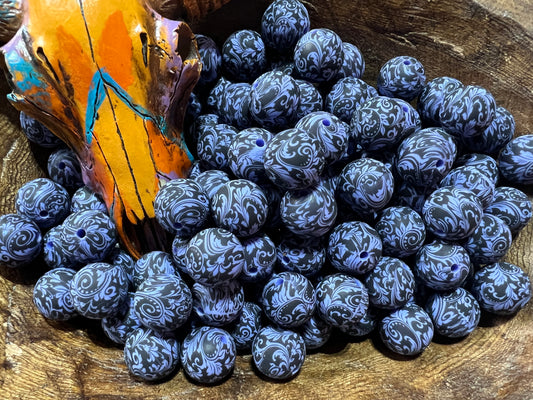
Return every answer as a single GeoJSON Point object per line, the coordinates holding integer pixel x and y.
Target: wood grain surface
{"type": "Point", "coordinates": [483, 42]}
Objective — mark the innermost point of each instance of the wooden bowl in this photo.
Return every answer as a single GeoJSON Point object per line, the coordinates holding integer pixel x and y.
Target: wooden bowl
{"type": "Point", "coordinates": [484, 42]}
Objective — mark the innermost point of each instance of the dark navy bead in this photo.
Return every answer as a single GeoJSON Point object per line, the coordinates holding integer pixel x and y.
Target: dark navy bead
{"type": "Point", "coordinates": [310, 99]}
{"type": "Point", "coordinates": [283, 23]}
{"type": "Point", "coordinates": [213, 144]}
{"type": "Point", "coordinates": [483, 163]}
{"type": "Point", "coordinates": [278, 353]}
{"type": "Point", "coordinates": [318, 55]}
{"type": "Point", "coordinates": [501, 288]}
{"type": "Point", "coordinates": [246, 327]}
{"type": "Point", "coordinates": [64, 168]}
{"type": "Point", "coordinates": [234, 105]}
{"type": "Point", "coordinates": [429, 102]}
{"type": "Point", "coordinates": [516, 160]}
{"type": "Point", "coordinates": [407, 331]}
{"type": "Point", "coordinates": [347, 95]}
{"type": "Point", "coordinates": [44, 201]}
{"type": "Point", "coordinates": [211, 59]}
{"type": "Point", "coordinates": [214, 97]}
{"type": "Point", "coordinates": [473, 179]}
{"type": "Point", "coordinates": [51, 294]}
{"type": "Point", "coordinates": [315, 332]}
{"type": "Point", "coordinates": [38, 133]}
{"type": "Point", "coordinates": [245, 154]}
{"type": "Point", "coordinates": [150, 355]}
{"type": "Point", "coordinates": [259, 258]}
{"type": "Point", "coordinates": [454, 314]}
{"type": "Point", "coordinates": [119, 326]}
{"type": "Point", "coordinates": [353, 63]}
{"type": "Point", "coordinates": [211, 180]}
{"type": "Point", "coordinates": [244, 55]}
{"type": "Point", "coordinates": [153, 263]}
{"type": "Point", "coordinates": [402, 77]}
{"type": "Point", "coordinates": [489, 242]}
{"type": "Point", "coordinates": [512, 206]}
{"type": "Point", "coordinates": [305, 256]}
{"type": "Point", "coordinates": [218, 305]}
{"type": "Point", "coordinates": [85, 199]}
{"type": "Point", "coordinates": [20, 240]}
{"type": "Point", "coordinates": [493, 138]}
{"type": "Point", "coordinates": [55, 250]}
{"type": "Point", "coordinates": [120, 257]}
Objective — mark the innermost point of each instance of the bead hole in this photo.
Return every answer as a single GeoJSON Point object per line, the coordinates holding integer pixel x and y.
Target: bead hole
{"type": "Point", "coordinates": [61, 165]}
{"type": "Point", "coordinates": [326, 122]}
{"type": "Point", "coordinates": [363, 254]}
{"type": "Point", "coordinates": [407, 62]}
{"type": "Point", "coordinates": [81, 233]}
{"type": "Point", "coordinates": [454, 267]}
{"type": "Point", "coordinates": [43, 213]}
{"type": "Point", "coordinates": [439, 163]}
{"type": "Point", "coordinates": [260, 142]}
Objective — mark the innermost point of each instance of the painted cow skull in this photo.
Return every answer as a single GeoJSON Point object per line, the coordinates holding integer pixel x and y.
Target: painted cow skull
{"type": "Point", "coordinates": [112, 79]}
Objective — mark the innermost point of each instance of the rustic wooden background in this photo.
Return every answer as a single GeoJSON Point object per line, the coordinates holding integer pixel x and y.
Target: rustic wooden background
{"type": "Point", "coordinates": [486, 42]}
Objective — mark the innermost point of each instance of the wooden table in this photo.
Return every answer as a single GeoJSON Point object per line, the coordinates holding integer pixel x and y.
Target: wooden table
{"type": "Point", "coordinates": [486, 42]}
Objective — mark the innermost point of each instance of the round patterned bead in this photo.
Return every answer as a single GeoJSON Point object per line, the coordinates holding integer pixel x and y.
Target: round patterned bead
{"type": "Point", "coordinates": [274, 100]}
{"type": "Point", "coordinates": [150, 355]}
{"type": "Point", "coordinates": [452, 213]}
{"type": "Point", "coordinates": [342, 300]}
{"type": "Point", "coordinates": [402, 77]}
{"type": "Point", "coordinates": [353, 63]}
{"type": "Point", "coordinates": [512, 206]}
{"type": "Point", "coordinates": [391, 284]}
{"type": "Point", "coordinates": [123, 259]}
{"type": "Point", "coordinates": [407, 331]}
{"type": "Point", "coordinates": [365, 185]}
{"type": "Point", "coordinates": [85, 199]}
{"type": "Point", "coordinates": [163, 302]}
{"type": "Point", "coordinates": [364, 326]}
{"type": "Point", "coordinates": [489, 242]}
{"type": "Point", "coordinates": [346, 96]}
{"type": "Point", "coordinates": [283, 23]}
{"type": "Point", "coordinates": [318, 55]}
{"type": "Point", "coordinates": [288, 299]}
{"type": "Point", "coordinates": [442, 266]}
{"type": "Point", "coordinates": [516, 160]}
{"type": "Point", "coordinates": [246, 327]}
{"type": "Point", "coordinates": [467, 111]}
{"type": "Point", "coordinates": [55, 250]}
{"type": "Point", "coordinates": [218, 305]}
{"type": "Point", "coordinates": [245, 154]}
{"type": "Point", "coordinates": [380, 123]}
{"type": "Point", "coordinates": [278, 353]}
{"type": "Point", "coordinates": [473, 179]}
{"type": "Point", "coordinates": [20, 240]}
{"type": "Point", "coordinates": [211, 181]}
{"type": "Point", "coordinates": [259, 258]}
{"type": "Point", "coordinates": [213, 144]}
{"type": "Point", "coordinates": [354, 247]}
{"type": "Point", "coordinates": [51, 294]}
{"type": "Point", "coordinates": [305, 256]}
{"type": "Point", "coordinates": [244, 55]}
{"type": "Point", "coordinates": [211, 59]}
{"type": "Point", "coordinates": [64, 168]}
{"type": "Point", "coordinates": [38, 133]}
{"type": "Point", "coordinates": [425, 157]}
{"type": "Point", "coordinates": [430, 100]}
{"type": "Point", "coordinates": [329, 130]}
{"type": "Point", "coordinates": [119, 326]}
{"type": "Point", "coordinates": [294, 159]}
{"type": "Point", "coordinates": [402, 231]}
{"type": "Point", "coordinates": [181, 207]}
{"type": "Point", "coordinates": [234, 105]}
{"type": "Point", "coordinates": [454, 314]}
{"type": "Point", "coordinates": [309, 212]}
{"type": "Point", "coordinates": [98, 290]}
{"type": "Point", "coordinates": [152, 263]}
{"type": "Point", "coordinates": [310, 99]}
{"type": "Point", "coordinates": [315, 333]}
{"type": "Point", "coordinates": [483, 163]}
{"type": "Point", "coordinates": [501, 288]}
{"type": "Point", "coordinates": [214, 98]}
{"type": "Point", "coordinates": [493, 138]}
{"type": "Point", "coordinates": [44, 201]}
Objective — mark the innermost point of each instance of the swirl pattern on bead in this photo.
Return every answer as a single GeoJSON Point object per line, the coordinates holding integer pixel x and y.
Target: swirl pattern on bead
{"type": "Point", "coordinates": [300, 254]}
{"type": "Point", "coordinates": [246, 327]}
{"type": "Point", "coordinates": [20, 240]}
{"type": "Point", "coordinates": [213, 144]}
{"type": "Point", "coordinates": [402, 77]}
{"type": "Point", "coordinates": [516, 160]}
{"type": "Point", "coordinates": [152, 263]}
{"type": "Point", "coordinates": [245, 154]}
{"type": "Point", "coordinates": [283, 23]}
{"type": "Point", "coordinates": [430, 100]}
{"type": "Point", "coordinates": [470, 178]}
{"type": "Point", "coordinates": [512, 206]}
{"type": "Point", "coordinates": [244, 55]}
{"type": "Point", "coordinates": [85, 199]}
{"type": "Point", "coordinates": [259, 258]}
{"type": "Point", "coordinates": [51, 294]}
{"type": "Point", "coordinates": [489, 242]}
{"type": "Point", "coordinates": [218, 305]}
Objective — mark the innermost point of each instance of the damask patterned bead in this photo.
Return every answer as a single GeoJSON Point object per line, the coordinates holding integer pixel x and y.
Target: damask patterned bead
{"type": "Point", "coordinates": [305, 256]}
{"type": "Point", "coordinates": [425, 157]}
{"type": "Point", "coordinates": [288, 299]}
{"type": "Point", "coordinates": [120, 257]}
{"type": "Point", "coordinates": [85, 199]}
{"type": "Point", "coordinates": [211, 181]}
{"type": "Point", "coordinates": [342, 300]}
{"type": "Point", "coordinates": [240, 206]}
{"type": "Point", "coordinates": [429, 102]}
{"type": "Point", "coordinates": [516, 160]}
{"type": "Point", "coordinates": [365, 185]}
{"type": "Point", "coordinates": [309, 212]}
{"type": "Point", "coordinates": [274, 100]}
{"type": "Point", "coordinates": [181, 207]}
{"type": "Point", "coordinates": [244, 329]}
{"type": "Point", "coordinates": [98, 290]}
{"type": "Point", "coordinates": [354, 247]}
{"type": "Point", "coordinates": [483, 163]}
{"type": "Point", "coordinates": [402, 77]}
{"type": "Point", "coordinates": [442, 266]}
{"type": "Point", "coordinates": [407, 331]}
{"type": "Point", "coordinates": [381, 123]}
{"type": "Point", "coordinates": [493, 138]}
{"type": "Point", "coordinates": [245, 154]}
{"type": "Point", "coordinates": [20, 240]}
{"type": "Point", "coordinates": [278, 353]}
{"type": "Point", "coordinates": [347, 95]}
{"type": "Point", "coordinates": [259, 258]}
{"type": "Point", "coordinates": [501, 288]}
{"type": "Point", "coordinates": [51, 294]}
{"type": "Point", "coordinates": [211, 59]}
{"type": "Point", "coordinates": [364, 326]}
{"type": "Point", "coordinates": [150, 355]}
{"type": "Point", "coordinates": [152, 263]}
{"type": "Point", "coordinates": [294, 159]}
{"type": "Point", "coordinates": [452, 213]}
{"type": "Point", "coordinates": [197, 168]}
{"type": "Point", "coordinates": [310, 99]}
{"type": "Point", "coordinates": [402, 231]}
{"type": "Point", "coordinates": [454, 314]}
{"type": "Point", "coordinates": [512, 206]}
{"type": "Point", "coordinates": [315, 333]}
{"type": "Point", "coordinates": [318, 55]}
{"type": "Point", "coordinates": [467, 111]}
{"type": "Point", "coordinates": [218, 305]}
{"type": "Point", "coordinates": [163, 302]}
{"type": "Point", "coordinates": [208, 354]}
{"type": "Point", "coordinates": [489, 242]}
{"type": "Point", "coordinates": [119, 326]}
{"type": "Point", "coordinates": [391, 284]}
{"type": "Point", "coordinates": [55, 251]}
{"type": "Point", "coordinates": [473, 179]}
{"type": "Point", "coordinates": [215, 95]}
{"type": "Point", "coordinates": [283, 23]}
{"type": "Point", "coordinates": [329, 130]}
{"type": "Point", "coordinates": [234, 105]}
{"type": "Point", "coordinates": [38, 133]}
{"type": "Point", "coordinates": [42, 200]}
{"type": "Point", "coordinates": [353, 63]}
{"type": "Point", "coordinates": [64, 168]}
{"type": "Point", "coordinates": [213, 144]}
{"type": "Point", "coordinates": [244, 55]}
